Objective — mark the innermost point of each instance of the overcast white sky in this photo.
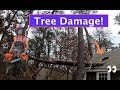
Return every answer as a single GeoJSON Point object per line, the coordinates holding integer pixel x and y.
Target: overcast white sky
{"type": "Point", "coordinates": [112, 27]}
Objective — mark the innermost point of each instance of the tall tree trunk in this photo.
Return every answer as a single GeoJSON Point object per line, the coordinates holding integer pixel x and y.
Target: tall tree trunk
{"type": "Point", "coordinates": [68, 31]}
{"type": "Point", "coordinates": [67, 43]}
{"type": "Point", "coordinates": [89, 44]}
{"type": "Point", "coordinates": [80, 58]}
{"type": "Point", "coordinates": [48, 45]}
{"type": "Point", "coordinates": [55, 50]}
{"type": "Point", "coordinates": [60, 55]}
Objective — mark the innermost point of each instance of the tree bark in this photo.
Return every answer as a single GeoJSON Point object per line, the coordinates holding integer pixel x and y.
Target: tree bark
{"type": "Point", "coordinates": [48, 45]}
{"type": "Point", "coordinates": [89, 44]}
{"type": "Point", "coordinates": [80, 58]}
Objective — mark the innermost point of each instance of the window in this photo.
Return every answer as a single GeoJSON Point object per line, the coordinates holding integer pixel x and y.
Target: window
{"type": "Point", "coordinates": [103, 76]}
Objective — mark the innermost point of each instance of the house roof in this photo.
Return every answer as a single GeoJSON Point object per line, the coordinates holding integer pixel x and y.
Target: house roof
{"type": "Point", "coordinates": [112, 58]}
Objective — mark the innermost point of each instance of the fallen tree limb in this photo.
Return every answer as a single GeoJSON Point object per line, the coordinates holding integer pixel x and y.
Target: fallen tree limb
{"type": "Point", "coordinates": [69, 63]}
{"type": "Point", "coordinates": [59, 62]}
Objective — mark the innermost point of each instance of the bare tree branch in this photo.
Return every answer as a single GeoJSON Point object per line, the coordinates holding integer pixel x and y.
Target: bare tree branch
{"type": "Point", "coordinates": [65, 72]}
{"type": "Point", "coordinates": [68, 72]}
{"type": "Point", "coordinates": [35, 74]}
{"type": "Point", "coordinates": [9, 23]}
{"type": "Point", "coordinates": [50, 73]}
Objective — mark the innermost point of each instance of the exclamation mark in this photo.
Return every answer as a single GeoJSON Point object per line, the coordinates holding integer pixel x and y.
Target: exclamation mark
{"type": "Point", "coordinates": [101, 20]}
